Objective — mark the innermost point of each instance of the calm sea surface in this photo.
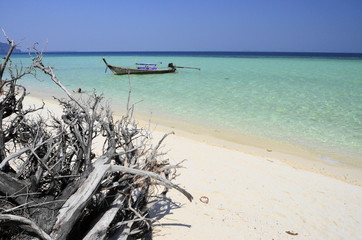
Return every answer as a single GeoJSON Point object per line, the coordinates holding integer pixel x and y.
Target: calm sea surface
{"type": "Point", "coordinates": [312, 101]}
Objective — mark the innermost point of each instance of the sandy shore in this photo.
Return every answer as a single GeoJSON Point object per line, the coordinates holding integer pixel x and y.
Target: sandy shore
{"type": "Point", "coordinates": [254, 193]}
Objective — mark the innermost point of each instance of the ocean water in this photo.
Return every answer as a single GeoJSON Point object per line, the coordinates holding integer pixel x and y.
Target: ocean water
{"type": "Point", "coordinates": [313, 101]}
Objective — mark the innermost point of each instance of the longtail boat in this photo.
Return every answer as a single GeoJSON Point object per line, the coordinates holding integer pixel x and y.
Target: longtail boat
{"type": "Point", "coordinates": [145, 68]}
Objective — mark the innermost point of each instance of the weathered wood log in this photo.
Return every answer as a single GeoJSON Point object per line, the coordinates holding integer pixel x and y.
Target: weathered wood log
{"type": "Point", "coordinates": [123, 233]}
{"type": "Point", "coordinates": [71, 210]}
{"type": "Point", "coordinates": [26, 224]}
{"type": "Point", "coordinates": [99, 231]}
{"type": "Point", "coordinates": [71, 187]}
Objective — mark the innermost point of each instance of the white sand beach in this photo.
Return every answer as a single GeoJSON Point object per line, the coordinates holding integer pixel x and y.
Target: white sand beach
{"type": "Point", "coordinates": [254, 193]}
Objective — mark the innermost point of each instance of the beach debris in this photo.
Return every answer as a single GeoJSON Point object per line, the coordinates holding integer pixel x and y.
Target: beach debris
{"type": "Point", "coordinates": [269, 150]}
{"type": "Point", "coordinates": [292, 233]}
{"type": "Point", "coordinates": [54, 185]}
{"type": "Point", "coordinates": [204, 199]}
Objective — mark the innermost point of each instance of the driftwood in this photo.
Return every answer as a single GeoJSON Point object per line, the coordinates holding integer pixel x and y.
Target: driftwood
{"type": "Point", "coordinates": [26, 224]}
{"type": "Point", "coordinates": [52, 183]}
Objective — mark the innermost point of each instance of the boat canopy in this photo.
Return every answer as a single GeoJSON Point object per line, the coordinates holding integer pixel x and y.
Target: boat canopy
{"type": "Point", "coordinates": [149, 64]}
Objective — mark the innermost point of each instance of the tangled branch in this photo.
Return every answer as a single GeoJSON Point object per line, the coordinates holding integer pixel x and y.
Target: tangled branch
{"type": "Point", "coordinates": [53, 182]}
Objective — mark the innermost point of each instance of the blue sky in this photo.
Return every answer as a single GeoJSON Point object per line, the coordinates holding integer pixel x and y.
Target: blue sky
{"type": "Point", "coordinates": [188, 25]}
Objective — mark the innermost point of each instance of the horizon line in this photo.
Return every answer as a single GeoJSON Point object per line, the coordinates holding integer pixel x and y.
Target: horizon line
{"type": "Point", "coordinates": [195, 51]}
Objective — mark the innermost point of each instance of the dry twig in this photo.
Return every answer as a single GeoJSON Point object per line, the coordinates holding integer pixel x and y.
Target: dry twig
{"type": "Point", "coordinates": [59, 184]}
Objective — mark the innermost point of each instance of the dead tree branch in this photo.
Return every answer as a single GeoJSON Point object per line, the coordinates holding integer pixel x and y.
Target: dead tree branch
{"type": "Point", "coordinates": [26, 224]}
{"type": "Point", "coordinates": [57, 186]}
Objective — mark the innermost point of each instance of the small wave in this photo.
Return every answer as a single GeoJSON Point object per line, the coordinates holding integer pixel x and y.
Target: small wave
{"type": "Point", "coordinates": [329, 160]}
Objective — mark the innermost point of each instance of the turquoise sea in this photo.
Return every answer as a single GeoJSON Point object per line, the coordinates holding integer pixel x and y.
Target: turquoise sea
{"type": "Point", "coordinates": [310, 100]}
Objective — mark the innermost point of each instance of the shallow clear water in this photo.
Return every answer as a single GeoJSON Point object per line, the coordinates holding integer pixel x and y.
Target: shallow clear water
{"type": "Point", "coordinates": [315, 102]}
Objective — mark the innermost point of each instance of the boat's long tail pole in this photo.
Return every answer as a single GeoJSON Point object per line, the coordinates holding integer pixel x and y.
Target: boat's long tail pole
{"type": "Point", "coordinates": [189, 67]}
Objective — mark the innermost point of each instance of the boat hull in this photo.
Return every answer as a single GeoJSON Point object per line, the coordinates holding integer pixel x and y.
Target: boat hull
{"type": "Point", "coordinates": [122, 70]}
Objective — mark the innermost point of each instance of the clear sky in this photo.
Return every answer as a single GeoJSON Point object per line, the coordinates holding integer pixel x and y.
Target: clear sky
{"type": "Point", "coordinates": [186, 25]}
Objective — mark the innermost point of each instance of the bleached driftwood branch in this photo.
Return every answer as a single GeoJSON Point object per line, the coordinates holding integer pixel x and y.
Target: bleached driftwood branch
{"type": "Point", "coordinates": [60, 184]}
{"type": "Point", "coordinates": [26, 224]}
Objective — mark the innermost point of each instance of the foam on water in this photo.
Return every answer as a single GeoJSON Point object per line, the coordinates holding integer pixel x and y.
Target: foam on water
{"type": "Point", "coordinates": [312, 102]}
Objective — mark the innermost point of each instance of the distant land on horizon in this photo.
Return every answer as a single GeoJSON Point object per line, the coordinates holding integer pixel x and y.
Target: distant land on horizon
{"type": "Point", "coordinates": [213, 53]}
{"type": "Point", "coordinates": [4, 48]}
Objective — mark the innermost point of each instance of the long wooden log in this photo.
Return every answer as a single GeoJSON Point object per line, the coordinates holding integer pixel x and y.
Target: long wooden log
{"type": "Point", "coordinates": [26, 224]}
{"type": "Point", "coordinates": [73, 207]}
{"type": "Point", "coordinates": [122, 233]}
{"type": "Point", "coordinates": [99, 231]}
{"type": "Point", "coordinates": [71, 210]}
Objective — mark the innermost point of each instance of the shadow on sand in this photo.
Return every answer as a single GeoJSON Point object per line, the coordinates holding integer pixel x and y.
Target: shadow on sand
{"type": "Point", "coordinates": [161, 208]}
